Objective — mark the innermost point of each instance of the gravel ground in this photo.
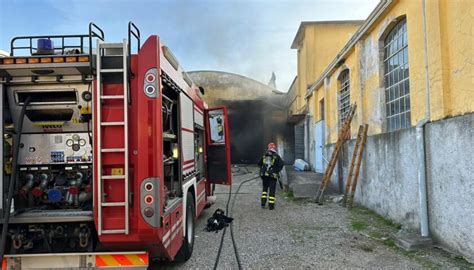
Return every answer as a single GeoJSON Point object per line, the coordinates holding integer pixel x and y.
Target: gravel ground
{"type": "Point", "coordinates": [296, 235]}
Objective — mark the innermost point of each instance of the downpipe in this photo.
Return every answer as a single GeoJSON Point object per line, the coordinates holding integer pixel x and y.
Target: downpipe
{"type": "Point", "coordinates": [420, 156]}
{"type": "Point", "coordinates": [420, 139]}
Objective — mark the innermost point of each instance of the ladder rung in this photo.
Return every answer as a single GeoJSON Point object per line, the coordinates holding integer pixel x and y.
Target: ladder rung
{"type": "Point", "coordinates": [108, 177]}
{"type": "Point", "coordinates": [112, 123]}
{"type": "Point", "coordinates": [112, 150]}
{"type": "Point", "coordinates": [111, 45]}
{"type": "Point", "coordinates": [113, 204]}
{"type": "Point", "coordinates": [113, 231]}
{"type": "Point", "coordinates": [112, 97]}
{"type": "Point", "coordinates": [114, 70]}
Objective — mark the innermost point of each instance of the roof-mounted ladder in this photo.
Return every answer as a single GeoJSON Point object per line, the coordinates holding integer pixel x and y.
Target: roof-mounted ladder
{"type": "Point", "coordinates": [107, 130]}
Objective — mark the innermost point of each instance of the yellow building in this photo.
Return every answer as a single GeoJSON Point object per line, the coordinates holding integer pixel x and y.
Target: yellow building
{"type": "Point", "coordinates": [448, 56]}
{"type": "Point", "coordinates": [317, 43]}
{"type": "Point", "coordinates": [410, 69]}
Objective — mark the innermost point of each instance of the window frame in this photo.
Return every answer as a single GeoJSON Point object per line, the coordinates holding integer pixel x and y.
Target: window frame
{"type": "Point", "coordinates": [396, 79]}
{"type": "Point", "coordinates": [343, 93]}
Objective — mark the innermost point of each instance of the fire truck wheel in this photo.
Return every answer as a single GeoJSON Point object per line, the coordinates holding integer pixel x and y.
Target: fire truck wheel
{"type": "Point", "coordinates": [186, 249]}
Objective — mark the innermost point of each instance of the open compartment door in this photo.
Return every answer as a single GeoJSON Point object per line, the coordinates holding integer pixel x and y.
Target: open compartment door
{"type": "Point", "coordinates": [218, 146]}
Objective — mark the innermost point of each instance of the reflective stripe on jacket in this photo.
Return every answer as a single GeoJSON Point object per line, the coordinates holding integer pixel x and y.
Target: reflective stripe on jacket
{"type": "Point", "coordinates": [271, 165]}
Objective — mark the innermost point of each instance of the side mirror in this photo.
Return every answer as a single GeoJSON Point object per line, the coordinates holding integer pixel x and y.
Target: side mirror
{"type": "Point", "coordinates": [201, 89]}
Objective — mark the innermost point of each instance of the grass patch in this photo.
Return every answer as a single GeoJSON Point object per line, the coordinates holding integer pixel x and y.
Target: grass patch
{"type": "Point", "coordinates": [390, 243]}
{"type": "Point", "coordinates": [376, 234]}
{"type": "Point", "coordinates": [361, 213]}
{"type": "Point", "coordinates": [382, 229]}
{"type": "Point", "coordinates": [289, 194]}
{"type": "Point", "coordinates": [416, 256]}
{"type": "Point", "coordinates": [387, 222]}
{"type": "Point", "coordinates": [358, 225]}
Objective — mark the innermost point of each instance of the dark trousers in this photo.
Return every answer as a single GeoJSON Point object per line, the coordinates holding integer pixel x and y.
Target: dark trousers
{"type": "Point", "coordinates": [269, 185]}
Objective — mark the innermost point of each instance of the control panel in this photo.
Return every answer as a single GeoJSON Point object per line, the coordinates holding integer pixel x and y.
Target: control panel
{"type": "Point", "coordinates": [59, 148]}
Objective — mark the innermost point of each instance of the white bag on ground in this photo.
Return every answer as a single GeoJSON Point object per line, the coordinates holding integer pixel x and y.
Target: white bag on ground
{"type": "Point", "coordinates": [301, 165]}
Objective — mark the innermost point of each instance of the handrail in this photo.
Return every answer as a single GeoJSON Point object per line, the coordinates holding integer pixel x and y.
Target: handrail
{"type": "Point", "coordinates": [94, 32]}
{"type": "Point", "coordinates": [132, 30]}
{"type": "Point", "coordinates": [34, 49]}
{"type": "Point", "coordinates": [102, 37]}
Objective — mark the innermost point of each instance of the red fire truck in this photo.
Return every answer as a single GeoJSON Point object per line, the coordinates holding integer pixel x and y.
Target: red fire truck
{"type": "Point", "coordinates": [109, 156]}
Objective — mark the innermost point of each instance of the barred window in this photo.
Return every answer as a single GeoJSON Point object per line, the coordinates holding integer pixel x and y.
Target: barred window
{"type": "Point", "coordinates": [344, 101]}
{"type": "Point", "coordinates": [397, 86]}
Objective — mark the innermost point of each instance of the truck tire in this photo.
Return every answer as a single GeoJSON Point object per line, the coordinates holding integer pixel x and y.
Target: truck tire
{"type": "Point", "coordinates": [186, 249]}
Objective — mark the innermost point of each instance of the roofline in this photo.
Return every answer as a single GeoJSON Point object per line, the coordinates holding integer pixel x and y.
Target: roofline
{"type": "Point", "coordinates": [373, 17]}
{"type": "Point", "coordinates": [276, 91]}
{"type": "Point", "coordinates": [297, 38]}
{"type": "Point", "coordinates": [292, 83]}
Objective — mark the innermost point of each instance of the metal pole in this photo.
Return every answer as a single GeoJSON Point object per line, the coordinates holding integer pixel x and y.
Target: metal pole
{"type": "Point", "coordinates": [420, 155]}
{"type": "Point", "coordinates": [420, 139]}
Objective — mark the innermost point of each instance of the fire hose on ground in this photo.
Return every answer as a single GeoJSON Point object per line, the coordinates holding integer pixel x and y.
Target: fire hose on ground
{"type": "Point", "coordinates": [234, 244]}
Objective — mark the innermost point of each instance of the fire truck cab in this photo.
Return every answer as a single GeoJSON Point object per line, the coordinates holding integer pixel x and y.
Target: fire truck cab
{"type": "Point", "coordinates": [109, 156]}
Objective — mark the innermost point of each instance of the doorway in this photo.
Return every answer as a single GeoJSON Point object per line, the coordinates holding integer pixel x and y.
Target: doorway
{"type": "Point", "coordinates": [319, 140]}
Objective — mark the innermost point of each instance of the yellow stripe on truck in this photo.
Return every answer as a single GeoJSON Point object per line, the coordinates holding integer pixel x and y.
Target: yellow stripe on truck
{"type": "Point", "coordinates": [107, 260]}
{"type": "Point", "coordinates": [135, 260]}
{"type": "Point", "coordinates": [117, 260]}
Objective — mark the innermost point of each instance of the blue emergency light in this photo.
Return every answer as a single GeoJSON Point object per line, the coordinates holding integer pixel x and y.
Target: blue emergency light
{"type": "Point", "coordinates": [45, 46]}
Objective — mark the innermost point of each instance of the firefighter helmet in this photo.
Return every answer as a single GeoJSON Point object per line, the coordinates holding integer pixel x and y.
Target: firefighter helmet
{"type": "Point", "coordinates": [272, 147]}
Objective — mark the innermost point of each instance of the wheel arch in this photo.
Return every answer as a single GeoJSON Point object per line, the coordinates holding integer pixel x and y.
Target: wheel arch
{"type": "Point", "coordinates": [189, 186]}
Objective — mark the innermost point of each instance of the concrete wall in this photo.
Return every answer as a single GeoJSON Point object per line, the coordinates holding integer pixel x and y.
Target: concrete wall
{"type": "Point", "coordinates": [388, 181]}
{"type": "Point", "coordinates": [388, 178]}
{"type": "Point", "coordinates": [450, 161]}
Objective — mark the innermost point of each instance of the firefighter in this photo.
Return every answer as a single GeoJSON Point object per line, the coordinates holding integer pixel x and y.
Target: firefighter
{"type": "Point", "coordinates": [270, 167]}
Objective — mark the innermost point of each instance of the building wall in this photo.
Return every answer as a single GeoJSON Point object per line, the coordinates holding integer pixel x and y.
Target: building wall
{"type": "Point", "coordinates": [450, 62]}
{"type": "Point", "coordinates": [320, 43]}
{"type": "Point", "coordinates": [388, 180]}
{"type": "Point", "coordinates": [295, 102]}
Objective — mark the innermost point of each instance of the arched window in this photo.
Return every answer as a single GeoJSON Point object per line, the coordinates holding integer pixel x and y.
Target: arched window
{"type": "Point", "coordinates": [343, 97]}
{"type": "Point", "coordinates": [397, 85]}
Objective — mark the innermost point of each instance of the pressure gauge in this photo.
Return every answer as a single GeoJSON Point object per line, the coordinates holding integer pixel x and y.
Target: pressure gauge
{"type": "Point", "coordinates": [76, 147]}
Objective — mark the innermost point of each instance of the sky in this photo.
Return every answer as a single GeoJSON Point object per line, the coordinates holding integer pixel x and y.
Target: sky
{"type": "Point", "coordinates": [250, 38]}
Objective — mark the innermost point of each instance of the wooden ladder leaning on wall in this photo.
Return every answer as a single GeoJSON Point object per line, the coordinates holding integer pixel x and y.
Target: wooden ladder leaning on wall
{"type": "Point", "coordinates": [343, 135]}
{"type": "Point", "coordinates": [356, 161]}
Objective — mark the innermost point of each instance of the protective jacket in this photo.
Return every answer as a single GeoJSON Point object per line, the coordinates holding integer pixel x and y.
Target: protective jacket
{"type": "Point", "coordinates": [270, 165]}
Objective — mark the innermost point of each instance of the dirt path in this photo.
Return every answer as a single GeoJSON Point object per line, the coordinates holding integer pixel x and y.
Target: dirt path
{"type": "Point", "coordinates": [304, 235]}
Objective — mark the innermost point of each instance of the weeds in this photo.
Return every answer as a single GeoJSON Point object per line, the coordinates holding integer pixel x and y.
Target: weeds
{"type": "Point", "coordinates": [370, 224]}
{"type": "Point", "coordinates": [358, 225]}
